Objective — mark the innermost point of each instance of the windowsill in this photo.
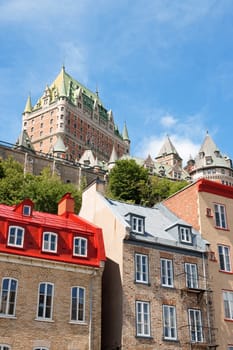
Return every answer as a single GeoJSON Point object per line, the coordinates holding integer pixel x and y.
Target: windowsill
{"type": "Point", "coordinates": [221, 228]}
{"type": "Point", "coordinates": [14, 246]}
{"type": "Point", "coordinates": [44, 320]}
{"type": "Point", "coordinates": [167, 286]}
{"type": "Point", "coordinates": [149, 337]}
{"type": "Point", "coordinates": [8, 316]}
{"type": "Point", "coordinates": [171, 340]}
{"type": "Point", "coordinates": [82, 323]}
{"type": "Point", "coordinates": [226, 272]}
{"type": "Point", "coordinates": [143, 283]}
{"type": "Point", "coordinates": [228, 319]}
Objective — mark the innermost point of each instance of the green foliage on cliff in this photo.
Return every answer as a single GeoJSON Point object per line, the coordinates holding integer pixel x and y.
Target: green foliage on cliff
{"type": "Point", "coordinates": [44, 190]}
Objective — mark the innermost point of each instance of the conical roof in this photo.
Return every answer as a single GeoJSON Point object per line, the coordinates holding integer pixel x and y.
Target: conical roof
{"type": "Point", "coordinates": [59, 146]}
{"type": "Point", "coordinates": [113, 157]}
{"type": "Point", "coordinates": [24, 142]}
{"type": "Point", "coordinates": [28, 106]}
{"type": "Point", "coordinates": [125, 134]}
{"type": "Point", "coordinates": [167, 148]}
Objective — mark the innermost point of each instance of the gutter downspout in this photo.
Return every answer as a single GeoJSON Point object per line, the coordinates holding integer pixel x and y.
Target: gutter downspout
{"type": "Point", "coordinates": [90, 310]}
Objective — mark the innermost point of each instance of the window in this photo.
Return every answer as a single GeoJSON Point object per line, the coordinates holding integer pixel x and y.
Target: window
{"type": "Point", "coordinates": [141, 268]}
{"type": "Point", "coordinates": [4, 347]}
{"type": "Point", "coordinates": [143, 318]}
{"type": "Point", "coordinates": [15, 236]}
{"type": "Point", "coordinates": [77, 304]}
{"type": "Point", "coordinates": [191, 275]}
{"type": "Point", "coordinates": [228, 304]}
{"type": "Point", "coordinates": [80, 246]}
{"type": "Point", "coordinates": [166, 271]}
{"type": "Point", "coordinates": [49, 242]}
{"type": "Point", "coordinates": [40, 348]}
{"type": "Point", "coordinates": [169, 322]}
{"type": "Point", "coordinates": [220, 216]}
{"type": "Point", "coordinates": [185, 235]}
{"type": "Point", "coordinates": [137, 224]}
{"type": "Point", "coordinates": [224, 258]}
{"type": "Point", "coordinates": [195, 325]}
{"type": "Point", "coordinates": [230, 347]}
{"type": "Point", "coordinates": [8, 297]}
{"type": "Point", "coordinates": [45, 301]}
{"type": "Point", "coordinates": [26, 210]}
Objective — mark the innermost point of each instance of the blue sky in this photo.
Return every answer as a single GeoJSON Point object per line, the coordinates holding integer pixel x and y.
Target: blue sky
{"type": "Point", "coordinates": [163, 66]}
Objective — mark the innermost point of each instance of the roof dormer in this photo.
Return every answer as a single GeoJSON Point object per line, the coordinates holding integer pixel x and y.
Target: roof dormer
{"type": "Point", "coordinates": [137, 223]}
{"type": "Point", "coordinates": [25, 208]}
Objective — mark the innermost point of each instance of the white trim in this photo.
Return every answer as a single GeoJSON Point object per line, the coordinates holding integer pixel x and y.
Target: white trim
{"type": "Point", "coordinates": [50, 235]}
{"type": "Point", "coordinates": [81, 239]}
{"type": "Point", "coordinates": [84, 305]}
{"type": "Point", "coordinates": [7, 314]}
{"type": "Point", "coordinates": [44, 318]}
{"type": "Point", "coordinates": [15, 238]}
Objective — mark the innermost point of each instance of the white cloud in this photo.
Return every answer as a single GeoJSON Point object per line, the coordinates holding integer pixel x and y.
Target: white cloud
{"type": "Point", "coordinates": [168, 121]}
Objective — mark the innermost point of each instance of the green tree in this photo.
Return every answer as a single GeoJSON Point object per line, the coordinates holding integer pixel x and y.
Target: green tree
{"type": "Point", "coordinates": [44, 190]}
{"type": "Point", "coordinates": [128, 181]}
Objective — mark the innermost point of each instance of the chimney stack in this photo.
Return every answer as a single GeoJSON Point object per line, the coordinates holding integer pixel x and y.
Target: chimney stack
{"type": "Point", "coordinates": [66, 205]}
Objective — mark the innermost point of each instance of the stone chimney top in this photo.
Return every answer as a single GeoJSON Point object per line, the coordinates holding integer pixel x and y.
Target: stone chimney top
{"type": "Point", "coordinates": [66, 205]}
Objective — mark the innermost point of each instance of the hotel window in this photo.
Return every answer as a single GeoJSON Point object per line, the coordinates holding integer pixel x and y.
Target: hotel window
{"type": "Point", "coordinates": [8, 297]}
{"type": "Point", "coordinates": [169, 322]}
{"type": "Point", "coordinates": [166, 271]}
{"type": "Point", "coordinates": [4, 347]}
{"type": "Point", "coordinates": [224, 258]}
{"type": "Point", "coordinates": [195, 325]}
{"type": "Point", "coordinates": [137, 224]}
{"type": "Point", "coordinates": [41, 125]}
{"type": "Point", "coordinates": [77, 304]}
{"type": "Point", "coordinates": [49, 242]}
{"type": "Point", "coordinates": [228, 304]}
{"type": "Point", "coordinates": [15, 236]}
{"type": "Point", "coordinates": [142, 319]}
{"type": "Point", "coordinates": [45, 301]}
{"type": "Point", "coordinates": [220, 216]}
{"type": "Point", "coordinates": [185, 235]}
{"type": "Point", "coordinates": [80, 246]}
{"type": "Point", "coordinates": [191, 275]}
{"type": "Point", "coordinates": [141, 268]}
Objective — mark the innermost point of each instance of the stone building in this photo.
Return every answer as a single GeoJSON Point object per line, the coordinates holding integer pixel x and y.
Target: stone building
{"type": "Point", "coordinates": [68, 119]}
{"type": "Point", "coordinates": [50, 278]}
{"type": "Point", "coordinates": [208, 207]}
{"type": "Point", "coordinates": [155, 282]}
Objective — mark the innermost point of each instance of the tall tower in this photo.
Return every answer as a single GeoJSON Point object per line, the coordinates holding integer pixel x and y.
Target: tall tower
{"type": "Point", "coordinates": [69, 113]}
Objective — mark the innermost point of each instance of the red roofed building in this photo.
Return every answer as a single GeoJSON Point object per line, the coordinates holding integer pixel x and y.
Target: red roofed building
{"type": "Point", "coordinates": [50, 276]}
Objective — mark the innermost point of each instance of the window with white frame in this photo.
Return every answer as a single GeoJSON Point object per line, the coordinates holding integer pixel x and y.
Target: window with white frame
{"type": "Point", "coordinates": [142, 318]}
{"type": "Point", "coordinates": [80, 246]}
{"type": "Point", "coordinates": [195, 325]}
{"type": "Point", "coordinates": [230, 347]}
{"type": "Point", "coordinates": [4, 347]}
{"type": "Point", "coordinates": [166, 271]}
{"type": "Point", "coordinates": [185, 234]}
{"type": "Point", "coordinates": [45, 301]}
{"type": "Point", "coordinates": [8, 296]}
{"type": "Point", "coordinates": [220, 215]}
{"type": "Point", "coordinates": [27, 210]}
{"type": "Point", "coordinates": [49, 242]}
{"type": "Point", "coordinates": [138, 224]}
{"type": "Point", "coordinates": [141, 268]}
{"type": "Point", "coordinates": [191, 275]}
{"type": "Point", "coordinates": [78, 304]}
{"type": "Point", "coordinates": [228, 304]}
{"type": "Point", "coordinates": [15, 236]}
{"type": "Point", "coordinates": [224, 258]}
{"type": "Point", "coordinates": [169, 322]}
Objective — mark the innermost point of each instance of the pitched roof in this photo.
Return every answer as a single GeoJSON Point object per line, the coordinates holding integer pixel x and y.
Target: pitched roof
{"type": "Point", "coordinates": [167, 148]}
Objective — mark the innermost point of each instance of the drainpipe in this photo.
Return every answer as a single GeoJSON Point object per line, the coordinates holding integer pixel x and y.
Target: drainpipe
{"type": "Point", "coordinates": [206, 297]}
{"type": "Point", "coordinates": [90, 309]}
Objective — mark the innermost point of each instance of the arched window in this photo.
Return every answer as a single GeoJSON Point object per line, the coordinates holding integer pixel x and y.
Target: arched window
{"type": "Point", "coordinates": [77, 304]}
{"type": "Point", "coordinates": [49, 242]}
{"type": "Point", "coordinates": [80, 246]}
{"type": "Point", "coordinates": [45, 301]}
{"type": "Point", "coordinates": [8, 297]}
{"type": "Point", "coordinates": [4, 347]}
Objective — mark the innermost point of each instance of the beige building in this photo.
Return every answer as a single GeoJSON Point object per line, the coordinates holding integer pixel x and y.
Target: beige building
{"type": "Point", "coordinates": [50, 278]}
{"type": "Point", "coordinates": [208, 207]}
{"type": "Point", "coordinates": [69, 119]}
{"type": "Point", "coordinates": [155, 282]}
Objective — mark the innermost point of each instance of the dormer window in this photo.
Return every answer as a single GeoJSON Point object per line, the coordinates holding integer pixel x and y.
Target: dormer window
{"type": "Point", "coordinates": [80, 246]}
{"type": "Point", "coordinates": [138, 224]}
{"type": "Point", "coordinates": [15, 236]}
{"type": "Point", "coordinates": [49, 242]}
{"type": "Point", "coordinates": [27, 210]}
{"type": "Point", "coordinates": [185, 235]}
{"type": "Point", "coordinates": [209, 160]}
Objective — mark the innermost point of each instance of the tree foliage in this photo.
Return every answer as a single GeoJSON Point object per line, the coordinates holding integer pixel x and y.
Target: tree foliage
{"type": "Point", "coordinates": [44, 190]}
{"type": "Point", "coordinates": [132, 183]}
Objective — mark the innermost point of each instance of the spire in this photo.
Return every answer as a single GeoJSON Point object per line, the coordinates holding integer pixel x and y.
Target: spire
{"type": "Point", "coordinates": [28, 106]}
{"type": "Point", "coordinates": [59, 146]}
{"type": "Point", "coordinates": [167, 148]}
{"type": "Point", "coordinates": [62, 87]}
{"type": "Point", "coordinates": [125, 134]}
{"type": "Point", "coordinates": [113, 157]}
{"type": "Point", "coordinates": [23, 142]}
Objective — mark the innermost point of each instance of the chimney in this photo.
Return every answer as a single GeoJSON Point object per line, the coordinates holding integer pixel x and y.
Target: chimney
{"type": "Point", "coordinates": [66, 205]}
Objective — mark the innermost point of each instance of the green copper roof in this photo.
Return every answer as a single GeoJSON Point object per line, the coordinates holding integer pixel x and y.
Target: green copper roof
{"type": "Point", "coordinates": [125, 134]}
{"type": "Point", "coordinates": [28, 106]}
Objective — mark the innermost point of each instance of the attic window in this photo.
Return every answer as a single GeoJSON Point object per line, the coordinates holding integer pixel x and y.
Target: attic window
{"type": "Point", "coordinates": [27, 210]}
{"type": "Point", "coordinates": [137, 224]}
{"type": "Point", "coordinates": [209, 160]}
{"type": "Point", "coordinates": [185, 235]}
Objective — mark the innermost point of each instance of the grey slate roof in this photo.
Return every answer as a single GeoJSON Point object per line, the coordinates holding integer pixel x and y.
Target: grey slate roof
{"type": "Point", "coordinates": [161, 225]}
{"type": "Point", "coordinates": [167, 148]}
